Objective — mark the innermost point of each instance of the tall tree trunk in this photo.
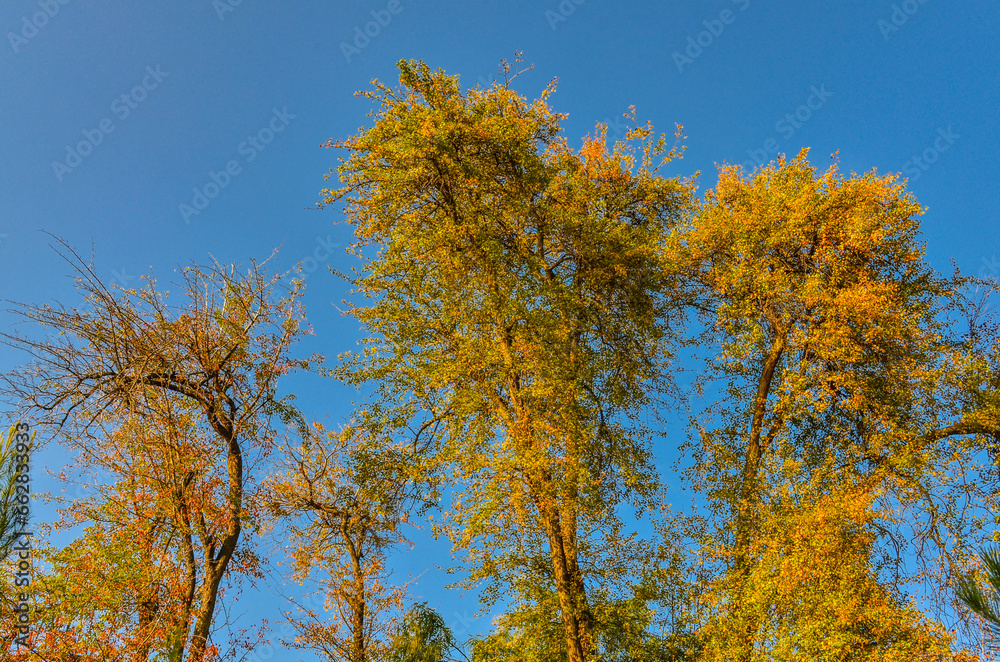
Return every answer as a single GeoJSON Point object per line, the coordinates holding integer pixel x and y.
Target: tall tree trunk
{"type": "Point", "coordinates": [358, 601]}
{"type": "Point", "coordinates": [183, 626]}
{"type": "Point", "coordinates": [216, 564]}
{"type": "Point", "coordinates": [148, 598]}
{"type": "Point", "coordinates": [206, 609]}
{"type": "Point", "coordinates": [749, 496]}
{"type": "Point", "coordinates": [570, 589]}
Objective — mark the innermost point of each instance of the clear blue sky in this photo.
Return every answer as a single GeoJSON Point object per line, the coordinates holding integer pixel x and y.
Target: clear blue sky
{"type": "Point", "coordinates": [887, 82]}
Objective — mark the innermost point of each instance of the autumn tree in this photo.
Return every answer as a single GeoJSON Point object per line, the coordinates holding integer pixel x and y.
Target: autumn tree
{"type": "Point", "coordinates": [345, 496]}
{"type": "Point", "coordinates": [627, 628]}
{"type": "Point", "coordinates": [515, 296]}
{"type": "Point", "coordinates": [169, 401]}
{"type": "Point", "coordinates": [127, 587]}
{"type": "Point", "coordinates": [827, 337]}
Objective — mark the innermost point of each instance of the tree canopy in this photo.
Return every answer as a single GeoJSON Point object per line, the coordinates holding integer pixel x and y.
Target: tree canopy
{"type": "Point", "coordinates": [527, 310]}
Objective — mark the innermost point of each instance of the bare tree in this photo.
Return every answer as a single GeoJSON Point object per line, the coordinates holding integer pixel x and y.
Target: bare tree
{"type": "Point", "coordinates": [176, 399]}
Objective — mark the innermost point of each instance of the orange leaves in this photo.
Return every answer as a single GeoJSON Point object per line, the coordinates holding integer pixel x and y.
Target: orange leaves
{"type": "Point", "coordinates": [828, 327]}
{"type": "Point", "coordinates": [165, 402]}
{"type": "Point", "coordinates": [594, 148]}
{"type": "Point", "coordinates": [817, 257]}
{"type": "Point", "coordinates": [813, 592]}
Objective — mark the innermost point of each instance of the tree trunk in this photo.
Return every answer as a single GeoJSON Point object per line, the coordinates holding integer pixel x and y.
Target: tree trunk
{"type": "Point", "coordinates": [571, 592]}
{"type": "Point", "coordinates": [190, 590]}
{"type": "Point", "coordinates": [203, 622]}
{"type": "Point", "coordinates": [148, 599]}
{"type": "Point", "coordinates": [359, 599]}
{"type": "Point", "coordinates": [216, 564]}
{"type": "Point", "coordinates": [749, 496]}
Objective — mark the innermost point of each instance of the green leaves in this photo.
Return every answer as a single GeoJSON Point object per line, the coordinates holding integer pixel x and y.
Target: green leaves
{"type": "Point", "coordinates": [423, 637]}
{"type": "Point", "coordinates": [13, 501]}
{"type": "Point", "coordinates": [515, 292]}
{"type": "Point", "coordinates": [986, 606]}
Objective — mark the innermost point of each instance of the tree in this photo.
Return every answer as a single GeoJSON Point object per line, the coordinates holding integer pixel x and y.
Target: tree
{"type": "Point", "coordinates": [13, 494]}
{"type": "Point", "coordinates": [127, 587]}
{"type": "Point", "coordinates": [626, 629]}
{"type": "Point", "coordinates": [355, 494]}
{"type": "Point", "coordinates": [983, 604]}
{"type": "Point", "coordinates": [423, 637]}
{"type": "Point", "coordinates": [170, 399]}
{"type": "Point", "coordinates": [516, 297]}
{"type": "Point", "coordinates": [815, 589]}
{"type": "Point", "coordinates": [829, 341]}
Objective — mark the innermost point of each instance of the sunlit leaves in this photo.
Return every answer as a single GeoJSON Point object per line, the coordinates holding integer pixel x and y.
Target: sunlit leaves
{"type": "Point", "coordinates": [515, 294]}
{"type": "Point", "coordinates": [170, 405]}
{"type": "Point", "coordinates": [825, 329]}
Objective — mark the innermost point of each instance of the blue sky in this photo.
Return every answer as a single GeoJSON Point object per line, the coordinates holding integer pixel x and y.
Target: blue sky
{"type": "Point", "coordinates": [167, 96]}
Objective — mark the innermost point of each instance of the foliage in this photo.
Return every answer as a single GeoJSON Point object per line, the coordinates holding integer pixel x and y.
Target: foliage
{"type": "Point", "coordinates": [12, 500]}
{"type": "Point", "coordinates": [831, 347]}
{"type": "Point", "coordinates": [814, 592]}
{"type": "Point", "coordinates": [986, 606]}
{"type": "Point", "coordinates": [423, 637]}
{"type": "Point", "coordinates": [354, 491]}
{"type": "Point", "coordinates": [626, 629]}
{"type": "Point", "coordinates": [516, 299]}
{"type": "Point", "coordinates": [524, 306]}
{"type": "Point", "coordinates": [167, 404]}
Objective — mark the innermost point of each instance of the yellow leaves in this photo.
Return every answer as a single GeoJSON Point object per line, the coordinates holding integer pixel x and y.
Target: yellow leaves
{"type": "Point", "coordinates": [519, 286]}
{"type": "Point", "coordinates": [594, 148]}
{"type": "Point", "coordinates": [783, 250]}
{"type": "Point", "coordinates": [812, 592]}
